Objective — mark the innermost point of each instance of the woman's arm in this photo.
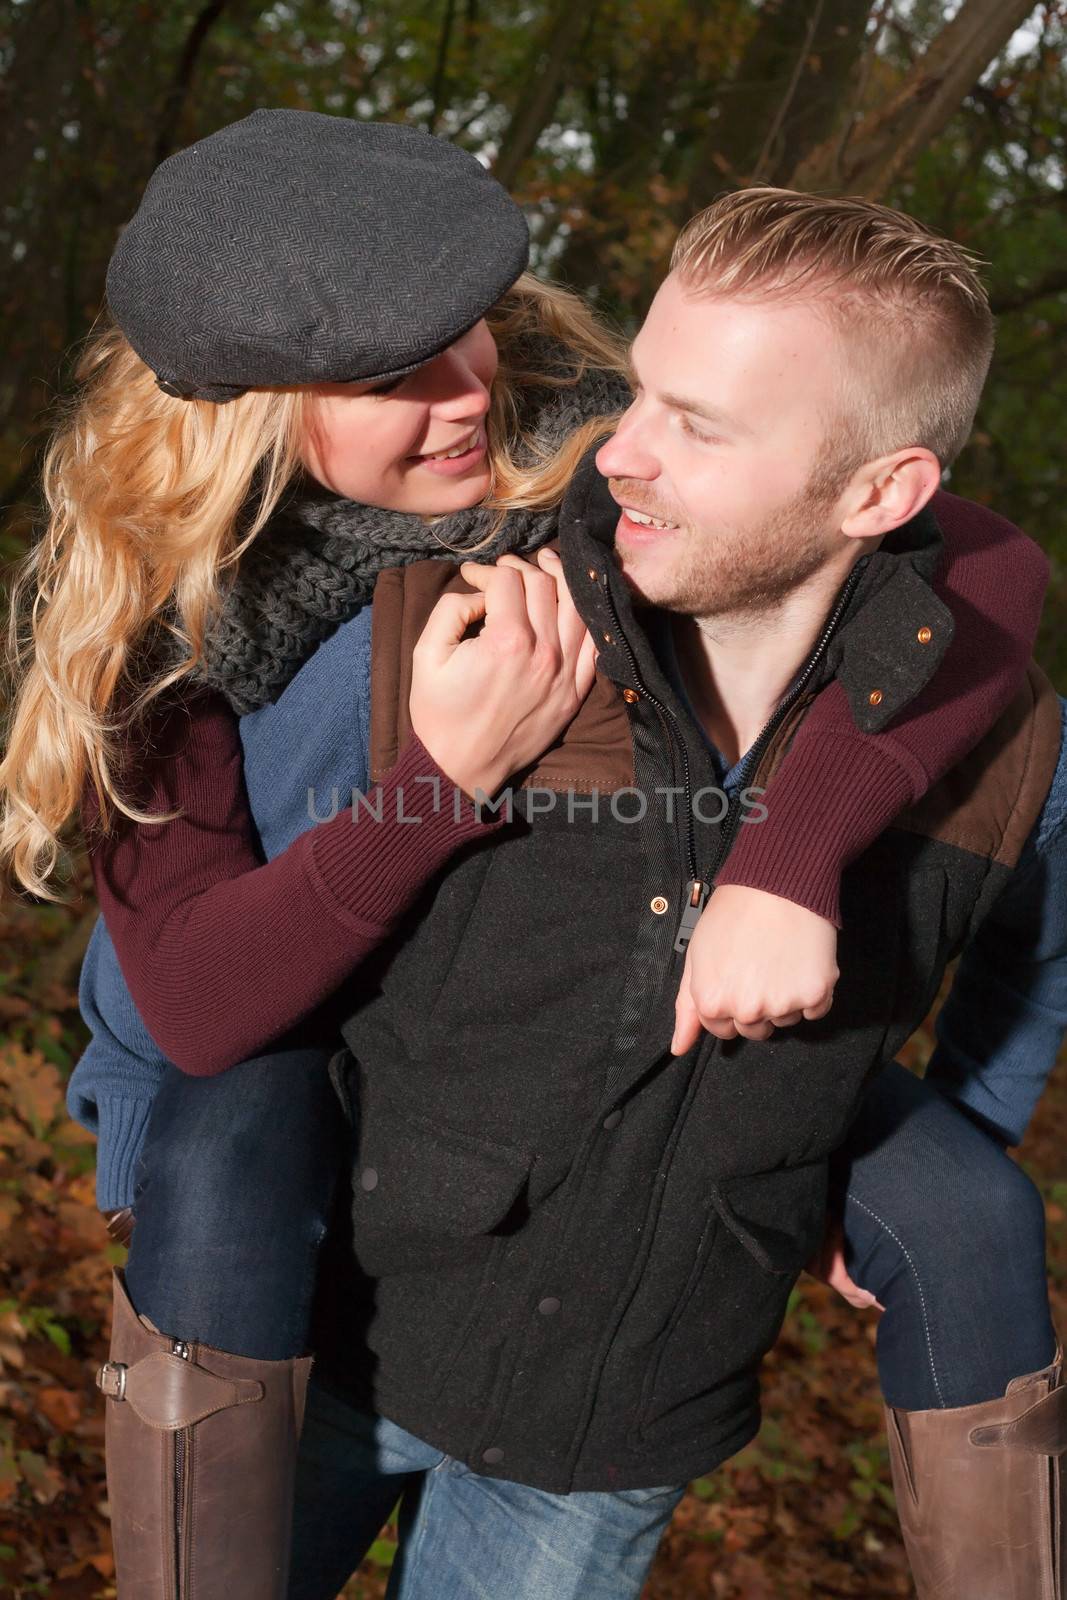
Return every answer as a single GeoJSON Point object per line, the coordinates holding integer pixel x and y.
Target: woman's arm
{"type": "Point", "coordinates": [223, 953]}
{"type": "Point", "coordinates": [1001, 1028]}
{"type": "Point", "coordinates": [839, 788]}
{"type": "Point", "coordinates": [757, 960]}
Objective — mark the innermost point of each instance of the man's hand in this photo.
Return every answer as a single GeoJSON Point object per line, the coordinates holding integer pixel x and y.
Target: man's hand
{"type": "Point", "coordinates": [755, 962]}
{"type": "Point", "coordinates": [828, 1265]}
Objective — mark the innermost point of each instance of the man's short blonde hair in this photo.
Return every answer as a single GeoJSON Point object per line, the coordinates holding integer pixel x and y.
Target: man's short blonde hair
{"type": "Point", "coordinates": [909, 307]}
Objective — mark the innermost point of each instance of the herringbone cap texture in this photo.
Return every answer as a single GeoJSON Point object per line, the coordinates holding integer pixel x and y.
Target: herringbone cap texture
{"type": "Point", "coordinates": [294, 247]}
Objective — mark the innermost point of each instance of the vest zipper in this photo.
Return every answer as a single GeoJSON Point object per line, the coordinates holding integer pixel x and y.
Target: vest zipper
{"type": "Point", "coordinates": [699, 889]}
{"type": "Point", "coordinates": [732, 820]}
{"type": "Point", "coordinates": [181, 1439]}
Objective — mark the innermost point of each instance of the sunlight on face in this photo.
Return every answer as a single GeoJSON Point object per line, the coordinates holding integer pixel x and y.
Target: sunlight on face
{"type": "Point", "coordinates": [386, 447]}
{"type": "Point", "coordinates": [725, 444]}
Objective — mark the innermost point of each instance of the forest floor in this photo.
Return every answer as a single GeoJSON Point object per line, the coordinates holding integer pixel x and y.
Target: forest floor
{"type": "Point", "coordinates": [805, 1511]}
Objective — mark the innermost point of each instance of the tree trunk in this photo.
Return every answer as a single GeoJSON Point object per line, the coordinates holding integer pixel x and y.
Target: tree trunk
{"type": "Point", "coordinates": [887, 141]}
{"type": "Point", "coordinates": [785, 98]}
{"type": "Point", "coordinates": [544, 82]}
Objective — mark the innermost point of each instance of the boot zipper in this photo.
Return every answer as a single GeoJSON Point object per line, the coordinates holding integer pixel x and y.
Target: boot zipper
{"type": "Point", "coordinates": [699, 889]}
{"type": "Point", "coordinates": [179, 1348]}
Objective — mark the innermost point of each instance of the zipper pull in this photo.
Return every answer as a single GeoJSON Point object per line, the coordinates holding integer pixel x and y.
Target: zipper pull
{"type": "Point", "coordinates": [698, 895]}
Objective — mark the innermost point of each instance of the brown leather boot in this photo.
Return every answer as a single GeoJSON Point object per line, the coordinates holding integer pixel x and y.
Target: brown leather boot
{"type": "Point", "coordinates": [979, 1492]}
{"type": "Point", "coordinates": [201, 1453]}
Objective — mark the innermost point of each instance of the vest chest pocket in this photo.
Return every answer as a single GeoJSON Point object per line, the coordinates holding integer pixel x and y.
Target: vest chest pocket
{"type": "Point", "coordinates": [425, 1195]}
{"type": "Point", "coordinates": [761, 1229]}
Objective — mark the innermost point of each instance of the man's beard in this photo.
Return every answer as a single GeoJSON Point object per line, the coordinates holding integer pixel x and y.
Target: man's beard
{"type": "Point", "coordinates": [739, 571]}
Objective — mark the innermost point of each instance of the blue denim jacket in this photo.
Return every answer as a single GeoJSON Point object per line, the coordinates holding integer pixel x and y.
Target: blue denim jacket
{"type": "Point", "coordinates": [994, 1053]}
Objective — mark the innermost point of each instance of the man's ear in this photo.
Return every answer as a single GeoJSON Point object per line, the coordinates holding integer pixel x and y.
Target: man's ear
{"type": "Point", "coordinates": [890, 491]}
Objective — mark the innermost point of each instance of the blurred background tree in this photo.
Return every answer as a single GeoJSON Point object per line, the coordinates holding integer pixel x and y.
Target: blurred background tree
{"type": "Point", "coordinates": [611, 121]}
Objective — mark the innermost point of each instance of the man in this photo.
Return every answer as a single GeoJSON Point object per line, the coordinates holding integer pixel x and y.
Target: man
{"type": "Point", "coordinates": [576, 1249]}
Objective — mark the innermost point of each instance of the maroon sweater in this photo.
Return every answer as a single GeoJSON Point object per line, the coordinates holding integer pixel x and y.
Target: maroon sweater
{"type": "Point", "coordinates": [223, 953]}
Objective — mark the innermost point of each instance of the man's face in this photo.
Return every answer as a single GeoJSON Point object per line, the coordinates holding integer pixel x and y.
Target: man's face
{"type": "Point", "coordinates": [725, 443]}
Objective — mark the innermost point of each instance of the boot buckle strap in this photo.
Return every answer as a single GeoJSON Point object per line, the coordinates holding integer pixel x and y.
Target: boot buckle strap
{"type": "Point", "coordinates": [169, 1393]}
{"type": "Point", "coordinates": [111, 1378]}
{"type": "Point", "coordinates": [1042, 1429]}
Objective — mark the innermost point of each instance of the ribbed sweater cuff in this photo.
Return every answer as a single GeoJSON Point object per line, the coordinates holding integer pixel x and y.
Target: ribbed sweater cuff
{"type": "Point", "coordinates": [370, 861]}
{"type": "Point", "coordinates": [120, 1134]}
{"type": "Point", "coordinates": [827, 803]}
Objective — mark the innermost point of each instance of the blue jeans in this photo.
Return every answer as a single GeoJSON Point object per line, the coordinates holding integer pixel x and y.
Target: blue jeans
{"type": "Point", "coordinates": [948, 1233]}
{"type": "Point", "coordinates": [462, 1536]}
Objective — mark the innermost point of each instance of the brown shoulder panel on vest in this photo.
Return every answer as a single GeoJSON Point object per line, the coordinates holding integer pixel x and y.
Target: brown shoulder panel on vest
{"type": "Point", "coordinates": [990, 801]}
{"type": "Point", "coordinates": [594, 752]}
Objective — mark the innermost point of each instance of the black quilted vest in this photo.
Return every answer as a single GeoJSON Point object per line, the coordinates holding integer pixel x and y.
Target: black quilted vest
{"type": "Point", "coordinates": [569, 1250]}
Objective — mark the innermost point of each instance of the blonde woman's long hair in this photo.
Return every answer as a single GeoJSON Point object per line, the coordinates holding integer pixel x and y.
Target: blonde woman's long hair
{"type": "Point", "coordinates": [151, 503]}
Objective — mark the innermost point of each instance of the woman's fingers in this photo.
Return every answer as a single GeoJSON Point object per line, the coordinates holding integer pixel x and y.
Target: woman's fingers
{"type": "Point", "coordinates": [505, 599]}
{"type": "Point", "coordinates": [585, 667]}
{"type": "Point", "coordinates": [542, 600]}
{"type": "Point", "coordinates": [551, 614]}
{"type": "Point", "coordinates": [447, 623]}
{"type": "Point", "coordinates": [506, 613]}
{"type": "Point", "coordinates": [572, 628]}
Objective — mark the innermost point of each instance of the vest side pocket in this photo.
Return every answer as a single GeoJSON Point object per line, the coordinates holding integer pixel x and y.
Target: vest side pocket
{"type": "Point", "coordinates": [704, 1373]}
{"type": "Point", "coordinates": [425, 1195]}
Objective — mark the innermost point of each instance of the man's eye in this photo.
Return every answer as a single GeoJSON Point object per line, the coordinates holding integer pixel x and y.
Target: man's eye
{"type": "Point", "coordinates": [695, 433]}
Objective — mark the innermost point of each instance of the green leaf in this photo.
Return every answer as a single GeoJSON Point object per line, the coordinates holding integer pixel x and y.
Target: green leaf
{"type": "Point", "coordinates": [382, 1552]}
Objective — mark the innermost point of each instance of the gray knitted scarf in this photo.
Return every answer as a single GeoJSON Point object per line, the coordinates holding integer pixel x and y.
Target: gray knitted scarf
{"type": "Point", "coordinates": [316, 561]}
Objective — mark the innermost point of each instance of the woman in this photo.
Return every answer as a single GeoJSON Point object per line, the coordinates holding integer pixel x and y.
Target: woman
{"type": "Point", "coordinates": [140, 583]}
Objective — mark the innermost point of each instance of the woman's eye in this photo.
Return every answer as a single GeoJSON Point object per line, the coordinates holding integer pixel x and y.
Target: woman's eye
{"type": "Point", "coordinates": [387, 387]}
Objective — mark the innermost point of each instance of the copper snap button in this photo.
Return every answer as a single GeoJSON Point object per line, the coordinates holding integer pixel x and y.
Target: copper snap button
{"type": "Point", "coordinates": [875, 697]}
{"type": "Point", "coordinates": [658, 905]}
{"type": "Point", "coordinates": [594, 574]}
{"type": "Point", "coordinates": [607, 638]}
{"type": "Point", "coordinates": [924, 635]}
{"type": "Point", "coordinates": [631, 696]}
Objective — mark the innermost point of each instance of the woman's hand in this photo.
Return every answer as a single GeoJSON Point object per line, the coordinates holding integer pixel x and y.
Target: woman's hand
{"type": "Point", "coordinates": [120, 1224]}
{"type": "Point", "coordinates": [756, 962]}
{"type": "Point", "coordinates": [486, 707]}
{"type": "Point", "coordinates": [828, 1265]}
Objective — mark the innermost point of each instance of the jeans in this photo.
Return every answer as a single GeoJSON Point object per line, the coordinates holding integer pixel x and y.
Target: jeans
{"type": "Point", "coordinates": [948, 1234]}
{"type": "Point", "coordinates": [232, 1200]}
{"type": "Point", "coordinates": [462, 1536]}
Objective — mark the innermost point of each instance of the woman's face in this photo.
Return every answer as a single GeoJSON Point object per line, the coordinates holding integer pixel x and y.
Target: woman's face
{"type": "Point", "coordinates": [393, 446]}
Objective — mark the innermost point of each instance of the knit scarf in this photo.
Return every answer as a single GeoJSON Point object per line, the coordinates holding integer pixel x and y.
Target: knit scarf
{"type": "Point", "coordinates": [316, 561]}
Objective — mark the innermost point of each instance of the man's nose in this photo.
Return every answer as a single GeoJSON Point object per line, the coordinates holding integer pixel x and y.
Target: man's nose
{"type": "Point", "coordinates": [628, 453]}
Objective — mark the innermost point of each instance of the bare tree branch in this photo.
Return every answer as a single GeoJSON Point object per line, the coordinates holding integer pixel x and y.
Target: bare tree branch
{"type": "Point", "coordinates": [800, 61]}
{"type": "Point", "coordinates": [787, 99]}
{"type": "Point", "coordinates": [183, 77]}
{"type": "Point", "coordinates": [544, 81]}
{"type": "Point", "coordinates": [1020, 299]}
{"type": "Point", "coordinates": [887, 142]}
{"type": "Point", "coordinates": [440, 71]}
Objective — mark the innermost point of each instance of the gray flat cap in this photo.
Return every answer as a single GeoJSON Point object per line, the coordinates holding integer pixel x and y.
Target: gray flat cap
{"type": "Point", "coordinates": [293, 247]}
